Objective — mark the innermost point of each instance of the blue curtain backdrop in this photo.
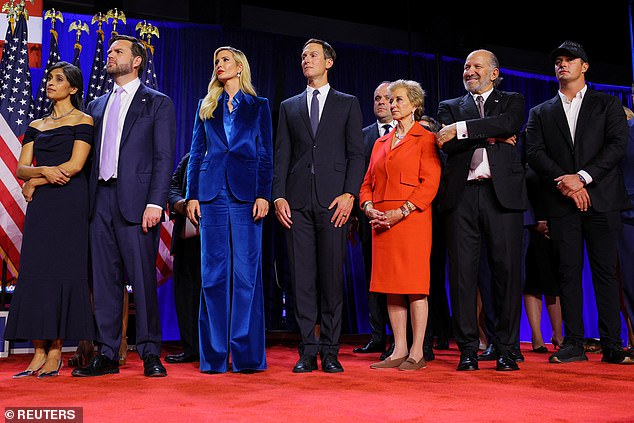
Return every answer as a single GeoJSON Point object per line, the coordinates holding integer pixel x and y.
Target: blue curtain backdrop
{"type": "Point", "coordinates": [183, 60]}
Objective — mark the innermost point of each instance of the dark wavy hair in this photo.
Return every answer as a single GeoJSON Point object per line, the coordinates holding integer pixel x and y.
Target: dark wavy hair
{"type": "Point", "coordinates": [75, 79]}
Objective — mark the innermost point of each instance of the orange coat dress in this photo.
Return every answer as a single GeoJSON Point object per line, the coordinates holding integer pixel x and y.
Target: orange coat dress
{"type": "Point", "coordinates": [409, 171]}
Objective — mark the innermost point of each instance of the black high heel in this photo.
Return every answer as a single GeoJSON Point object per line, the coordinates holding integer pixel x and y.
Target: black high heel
{"type": "Point", "coordinates": [52, 373]}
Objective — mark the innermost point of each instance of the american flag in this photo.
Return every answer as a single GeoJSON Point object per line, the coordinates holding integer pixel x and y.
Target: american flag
{"type": "Point", "coordinates": [5, 57]}
{"type": "Point", "coordinates": [15, 115]}
{"type": "Point", "coordinates": [41, 101]}
{"type": "Point", "coordinates": [99, 82]}
{"type": "Point", "coordinates": [149, 79]}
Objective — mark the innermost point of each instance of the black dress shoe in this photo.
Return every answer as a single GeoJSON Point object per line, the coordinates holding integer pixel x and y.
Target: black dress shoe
{"type": "Point", "coordinates": [99, 365]}
{"type": "Point", "coordinates": [330, 364]}
{"type": "Point", "coordinates": [387, 353]}
{"type": "Point", "coordinates": [305, 364]}
{"type": "Point", "coordinates": [517, 355]}
{"type": "Point", "coordinates": [152, 366]}
{"type": "Point", "coordinates": [181, 358]}
{"type": "Point", "coordinates": [490, 354]}
{"type": "Point", "coordinates": [371, 347]}
{"type": "Point", "coordinates": [505, 363]}
{"type": "Point", "coordinates": [468, 361]}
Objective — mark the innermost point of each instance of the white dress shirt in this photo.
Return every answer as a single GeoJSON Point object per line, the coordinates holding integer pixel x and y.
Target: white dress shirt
{"type": "Point", "coordinates": [483, 170]}
{"type": "Point", "coordinates": [323, 93]}
{"type": "Point", "coordinates": [571, 110]}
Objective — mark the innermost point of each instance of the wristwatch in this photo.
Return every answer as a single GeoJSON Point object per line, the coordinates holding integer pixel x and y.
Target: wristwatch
{"type": "Point", "coordinates": [404, 210]}
{"type": "Point", "coordinates": [582, 179]}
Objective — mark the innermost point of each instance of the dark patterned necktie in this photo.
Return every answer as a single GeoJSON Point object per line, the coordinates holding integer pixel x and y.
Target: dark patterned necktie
{"type": "Point", "coordinates": [478, 154]}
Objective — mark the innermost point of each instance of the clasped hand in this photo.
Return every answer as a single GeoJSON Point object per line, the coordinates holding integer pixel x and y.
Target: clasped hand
{"type": "Point", "coordinates": [572, 187]}
{"type": "Point", "coordinates": [56, 175]}
{"type": "Point", "coordinates": [383, 220]}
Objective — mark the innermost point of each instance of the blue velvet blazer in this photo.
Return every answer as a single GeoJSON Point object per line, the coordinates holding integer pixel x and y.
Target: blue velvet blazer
{"type": "Point", "coordinates": [244, 162]}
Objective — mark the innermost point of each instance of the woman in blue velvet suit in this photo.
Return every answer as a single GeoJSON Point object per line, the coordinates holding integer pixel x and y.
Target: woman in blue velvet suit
{"type": "Point", "coordinates": [229, 186]}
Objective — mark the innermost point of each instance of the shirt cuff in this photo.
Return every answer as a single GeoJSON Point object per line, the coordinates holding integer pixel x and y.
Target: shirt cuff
{"type": "Point", "coordinates": [461, 130]}
{"type": "Point", "coordinates": [154, 206]}
{"type": "Point", "coordinates": [586, 176]}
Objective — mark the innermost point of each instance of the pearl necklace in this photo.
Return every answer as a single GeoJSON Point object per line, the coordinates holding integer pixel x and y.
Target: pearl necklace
{"type": "Point", "coordinates": [399, 137]}
{"type": "Point", "coordinates": [64, 115]}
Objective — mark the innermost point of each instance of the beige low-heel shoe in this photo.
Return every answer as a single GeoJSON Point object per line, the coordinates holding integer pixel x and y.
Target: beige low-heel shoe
{"type": "Point", "coordinates": [388, 363]}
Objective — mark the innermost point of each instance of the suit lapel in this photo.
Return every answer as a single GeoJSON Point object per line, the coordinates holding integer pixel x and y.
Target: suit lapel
{"type": "Point", "coordinates": [302, 106]}
{"type": "Point", "coordinates": [329, 109]}
{"type": "Point", "coordinates": [216, 125]}
{"type": "Point", "coordinates": [492, 105]}
{"type": "Point", "coordinates": [98, 116]}
{"type": "Point", "coordinates": [468, 108]}
{"type": "Point", "coordinates": [560, 119]}
{"type": "Point", "coordinates": [139, 102]}
{"type": "Point", "coordinates": [587, 106]}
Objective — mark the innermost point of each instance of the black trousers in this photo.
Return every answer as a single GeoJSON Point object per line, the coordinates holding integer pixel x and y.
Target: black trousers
{"type": "Point", "coordinates": [599, 232]}
{"type": "Point", "coordinates": [480, 218]}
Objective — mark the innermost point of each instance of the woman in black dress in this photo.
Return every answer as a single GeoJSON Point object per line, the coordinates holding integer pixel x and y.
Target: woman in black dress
{"type": "Point", "coordinates": [51, 301]}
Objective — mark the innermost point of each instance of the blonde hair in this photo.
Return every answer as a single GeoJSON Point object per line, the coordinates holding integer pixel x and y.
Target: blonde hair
{"type": "Point", "coordinates": [215, 87]}
{"type": "Point", "coordinates": [629, 114]}
{"type": "Point", "coordinates": [415, 94]}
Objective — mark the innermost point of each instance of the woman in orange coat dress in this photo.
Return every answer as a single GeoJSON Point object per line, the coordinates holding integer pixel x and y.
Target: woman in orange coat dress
{"type": "Point", "coordinates": [396, 195]}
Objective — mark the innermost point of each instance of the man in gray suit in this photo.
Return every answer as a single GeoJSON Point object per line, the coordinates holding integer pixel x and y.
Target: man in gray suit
{"type": "Point", "coordinates": [317, 174]}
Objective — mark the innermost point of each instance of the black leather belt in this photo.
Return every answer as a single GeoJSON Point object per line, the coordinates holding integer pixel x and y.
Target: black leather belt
{"type": "Point", "coordinates": [109, 182]}
{"type": "Point", "coordinates": [479, 181]}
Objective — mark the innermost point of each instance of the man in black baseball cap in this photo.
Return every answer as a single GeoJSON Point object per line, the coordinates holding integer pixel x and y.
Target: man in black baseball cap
{"type": "Point", "coordinates": [569, 49]}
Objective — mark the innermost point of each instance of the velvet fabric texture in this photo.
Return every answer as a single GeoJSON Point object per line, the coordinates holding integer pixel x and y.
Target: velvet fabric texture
{"type": "Point", "coordinates": [232, 302]}
{"type": "Point", "coordinates": [226, 175]}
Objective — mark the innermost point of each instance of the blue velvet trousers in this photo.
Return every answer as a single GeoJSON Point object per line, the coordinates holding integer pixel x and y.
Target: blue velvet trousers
{"type": "Point", "coordinates": [231, 322]}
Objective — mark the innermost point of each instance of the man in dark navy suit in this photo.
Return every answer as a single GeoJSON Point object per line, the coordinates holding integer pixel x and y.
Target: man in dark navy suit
{"type": "Point", "coordinates": [318, 171]}
{"type": "Point", "coordinates": [135, 132]}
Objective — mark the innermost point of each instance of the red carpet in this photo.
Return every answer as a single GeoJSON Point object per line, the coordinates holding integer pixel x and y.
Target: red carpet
{"type": "Point", "coordinates": [540, 392]}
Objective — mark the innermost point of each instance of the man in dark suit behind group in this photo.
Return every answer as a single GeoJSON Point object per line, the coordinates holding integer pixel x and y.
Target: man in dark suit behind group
{"type": "Point", "coordinates": [318, 171]}
{"type": "Point", "coordinates": [135, 133]}
{"type": "Point", "coordinates": [575, 142]}
{"type": "Point", "coordinates": [185, 249]}
{"type": "Point", "coordinates": [377, 302]}
{"type": "Point", "coordinates": [483, 196]}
